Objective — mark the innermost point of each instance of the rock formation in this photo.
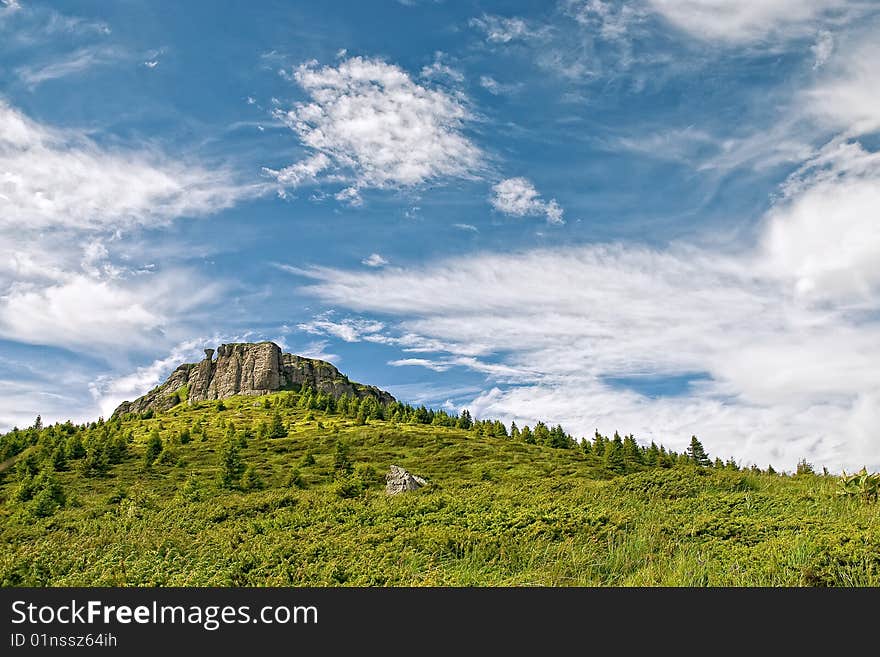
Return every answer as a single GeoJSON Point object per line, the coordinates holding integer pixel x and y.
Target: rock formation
{"type": "Point", "coordinates": [399, 480]}
{"type": "Point", "coordinates": [247, 369]}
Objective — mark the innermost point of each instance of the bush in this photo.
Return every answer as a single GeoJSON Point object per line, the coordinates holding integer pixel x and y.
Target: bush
{"type": "Point", "coordinates": [295, 480]}
{"type": "Point", "coordinates": [861, 485]}
{"type": "Point", "coordinates": [348, 486]}
{"type": "Point", "coordinates": [367, 473]}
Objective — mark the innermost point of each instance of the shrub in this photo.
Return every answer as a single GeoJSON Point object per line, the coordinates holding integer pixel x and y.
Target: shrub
{"type": "Point", "coordinates": [250, 480]}
{"type": "Point", "coordinates": [348, 486]}
{"type": "Point", "coordinates": [295, 480]}
{"type": "Point", "coordinates": [862, 485]}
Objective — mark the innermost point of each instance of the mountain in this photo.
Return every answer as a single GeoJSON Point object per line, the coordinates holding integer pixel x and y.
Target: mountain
{"type": "Point", "coordinates": [245, 368]}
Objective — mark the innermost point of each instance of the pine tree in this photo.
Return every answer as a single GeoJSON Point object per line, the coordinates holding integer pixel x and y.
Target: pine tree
{"type": "Point", "coordinates": [153, 449]}
{"type": "Point", "coordinates": [276, 427]}
{"type": "Point", "coordinates": [599, 442]}
{"type": "Point", "coordinates": [341, 461]}
{"type": "Point", "coordinates": [652, 456]}
{"type": "Point", "coordinates": [231, 465]}
{"type": "Point", "coordinates": [631, 451]}
{"type": "Point", "coordinates": [696, 454]}
{"type": "Point", "coordinates": [614, 458]}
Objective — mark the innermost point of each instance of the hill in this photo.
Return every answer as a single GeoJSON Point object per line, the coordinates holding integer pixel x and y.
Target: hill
{"type": "Point", "coordinates": [288, 489]}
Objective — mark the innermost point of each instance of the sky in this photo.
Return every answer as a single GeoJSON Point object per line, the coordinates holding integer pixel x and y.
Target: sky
{"type": "Point", "coordinates": [660, 217]}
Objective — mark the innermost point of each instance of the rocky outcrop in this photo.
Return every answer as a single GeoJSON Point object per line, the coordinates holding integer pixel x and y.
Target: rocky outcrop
{"type": "Point", "coordinates": [247, 369]}
{"type": "Point", "coordinates": [399, 480]}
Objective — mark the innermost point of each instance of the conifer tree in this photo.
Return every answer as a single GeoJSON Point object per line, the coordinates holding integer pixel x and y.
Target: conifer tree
{"type": "Point", "coordinates": [614, 458]}
{"type": "Point", "coordinates": [696, 454]}
{"type": "Point", "coordinates": [153, 449]}
{"type": "Point", "coordinates": [276, 427]}
{"type": "Point", "coordinates": [231, 465]}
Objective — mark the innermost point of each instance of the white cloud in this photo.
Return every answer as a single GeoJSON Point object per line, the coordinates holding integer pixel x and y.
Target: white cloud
{"type": "Point", "coordinates": [420, 362]}
{"type": "Point", "coordinates": [369, 125]}
{"type": "Point", "coordinates": [613, 22]}
{"type": "Point", "coordinates": [65, 203]}
{"type": "Point", "coordinates": [152, 63]}
{"type": "Point", "coordinates": [300, 173]}
{"type": "Point", "coordinates": [468, 227]}
{"type": "Point", "coordinates": [70, 64]}
{"type": "Point", "coordinates": [748, 21]}
{"type": "Point", "coordinates": [500, 29]}
{"type": "Point", "coordinates": [349, 330]}
{"type": "Point", "coordinates": [519, 198]}
{"type": "Point", "coordinates": [81, 312]}
{"type": "Point", "coordinates": [847, 97]}
{"type": "Point", "coordinates": [318, 350]}
{"type": "Point", "coordinates": [54, 178]}
{"type": "Point", "coordinates": [827, 236]}
{"type": "Point", "coordinates": [439, 70]}
{"type": "Point", "coordinates": [374, 260]}
{"type": "Point", "coordinates": [497, 88]}
{"type": "Point", "coordinates": [109, 391]}
{"type": "Point", "coordinates": [823, 48]}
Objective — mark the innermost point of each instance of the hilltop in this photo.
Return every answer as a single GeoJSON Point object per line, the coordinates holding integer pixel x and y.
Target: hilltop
{"type": "Point", "coordinates": [287, 488]}
{"type": "Point", "coordinates": [246, 368]}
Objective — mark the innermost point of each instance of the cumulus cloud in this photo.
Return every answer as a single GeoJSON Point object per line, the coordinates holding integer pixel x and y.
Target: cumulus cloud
{"type": "Point", "coordinates": [369, 125]}
{"type": "Point", "coordinates": [519, 198]}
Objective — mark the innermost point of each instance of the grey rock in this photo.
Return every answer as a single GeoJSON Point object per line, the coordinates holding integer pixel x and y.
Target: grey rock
{"type": "Point", "coordinates": [398, 480]}
{"type": "Point", "coordinates": [248, 369]}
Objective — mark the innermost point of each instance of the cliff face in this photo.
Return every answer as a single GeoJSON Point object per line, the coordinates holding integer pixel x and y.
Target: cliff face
{"type": "Point", "coordinates": [247, 369]}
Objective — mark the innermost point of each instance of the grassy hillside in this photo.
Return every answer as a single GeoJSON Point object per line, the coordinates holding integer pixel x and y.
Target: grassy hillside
{"type": "Point", "coordinates": [309, 508]}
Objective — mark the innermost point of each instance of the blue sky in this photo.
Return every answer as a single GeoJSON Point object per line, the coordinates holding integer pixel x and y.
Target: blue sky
{"type": "Point", "coordinates": [657, 216]}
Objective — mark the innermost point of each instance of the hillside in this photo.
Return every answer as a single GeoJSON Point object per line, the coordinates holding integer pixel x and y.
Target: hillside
{"type": "Point", "coordinates": [308, 507]}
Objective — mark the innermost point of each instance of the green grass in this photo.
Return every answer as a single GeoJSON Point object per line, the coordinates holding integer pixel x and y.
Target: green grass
{"type": "Point", "coordinates": [497, 512]}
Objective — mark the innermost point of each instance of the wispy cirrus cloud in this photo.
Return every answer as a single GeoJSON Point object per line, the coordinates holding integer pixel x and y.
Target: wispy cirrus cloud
{"type": "Point", "coordinates": [65, 202]}
{"type": "Point", "coordinates": [738, 22]}
{"type": "Point", "coordinates": [61, 178]}
{"type": "Point", "coordinates": [68, 64]}
{"type": "Point", "coordinates": [504, 29]}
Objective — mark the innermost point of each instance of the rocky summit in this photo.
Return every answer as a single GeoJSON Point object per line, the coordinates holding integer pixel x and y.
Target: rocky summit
{"type": "Point", "coordinates": [248, 369]}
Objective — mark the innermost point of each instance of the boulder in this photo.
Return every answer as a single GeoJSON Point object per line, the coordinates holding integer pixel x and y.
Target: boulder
{"type": "Point", "coordinates": [399, 480]}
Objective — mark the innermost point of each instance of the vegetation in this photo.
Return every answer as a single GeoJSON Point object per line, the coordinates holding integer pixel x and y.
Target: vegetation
{"type": "Point", "coordinates": [288, 489]}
